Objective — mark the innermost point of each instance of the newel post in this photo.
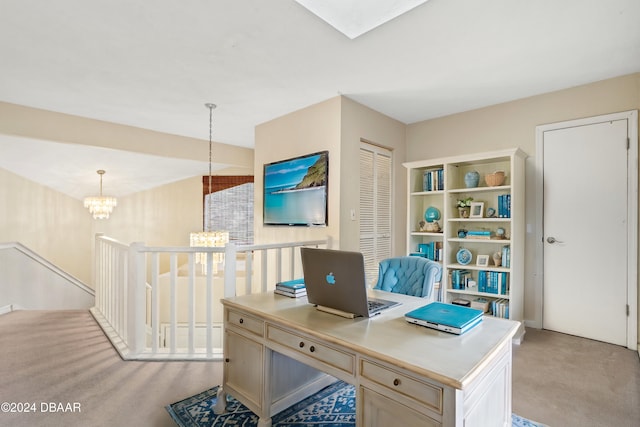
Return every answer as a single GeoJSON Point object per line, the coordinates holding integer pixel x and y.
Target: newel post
{"type": "Point", "coordinates": [136, 299]}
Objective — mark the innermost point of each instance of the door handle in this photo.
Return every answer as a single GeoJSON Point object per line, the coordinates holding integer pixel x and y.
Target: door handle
{"type": "Point", "coordinates": [552, 240]}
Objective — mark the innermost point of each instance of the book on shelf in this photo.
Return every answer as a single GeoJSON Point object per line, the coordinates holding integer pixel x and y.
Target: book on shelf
{"type": "Point", "coordinates": [433, 180]}
{"type": "Point", "coordinates": [506, 256]}
{"type": "Point", "coordinates": [493, 282]}
{"type": "Point", "coordinates": [480, 234]}
{"type": "Point", "coordinates": [500, 308]}
{"type": "Point", "coordinates": [504, 206]}
{"type": "Point", "coordinates": [431, 250]}
{"type": "Point", "coordinates": [459, 279]}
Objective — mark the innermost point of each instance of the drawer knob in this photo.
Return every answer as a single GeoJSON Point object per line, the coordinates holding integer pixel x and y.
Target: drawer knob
{"type": "Point", "coordinates": [301, 344]}
{"type": "Point", "coordinates": [396, 382]}
{"type": "Point", "coordinates": [312, 349]}
{"type": "Point", "coordinates": [241, 320]}
{"type": "Point", "coordinates": [226, 360]}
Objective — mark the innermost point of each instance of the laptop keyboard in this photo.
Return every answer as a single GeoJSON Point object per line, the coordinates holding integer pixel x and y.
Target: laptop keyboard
{"type": "Point", "coordinates": [374, 305]}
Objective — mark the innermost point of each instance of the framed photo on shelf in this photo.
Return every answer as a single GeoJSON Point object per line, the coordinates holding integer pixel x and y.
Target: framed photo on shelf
{"type": "Point", "coordinates": [482, 261]}
{"type": "Point", "coordinates": [477, 210]}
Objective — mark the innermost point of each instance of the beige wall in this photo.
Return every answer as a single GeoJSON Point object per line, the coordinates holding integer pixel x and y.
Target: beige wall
{"type": "Point", "coordinates": [48, 222]}
{"type": "Point", "coordinates": [163, 216]}
{"type": "Point", "coordinates": [63, 232]}
{"type": "Point", "coordinates": [337, 125]}
{"type": "Point", "coordinates": [513, 124]}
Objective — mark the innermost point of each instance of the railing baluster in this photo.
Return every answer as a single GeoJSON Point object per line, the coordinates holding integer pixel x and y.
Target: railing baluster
{"type": "Point", "coordinates": [117, 307]}
{"type": "Point", "coordinates": [263, 277]}
{"type": "Point", "coordinates": [137, 299]}
{"type": "Point", "coordinates": [292, 263]}
{"type": "Point", "coordinates": [173, 303]}
{"type": "Point", "coordinates": [229, 270]}
{"type": "Point", "coordinates": [128, 304]}
{"type": "Point", "coordinates": [209, 305]}
{"type": "Point", "coordinates": [109, 267]}
{"type": "Point", "coordinates": [278, 265]}
{"type": "Point", "coordinates": [155, 302]}
{"type": "Point", "coordinates": [248, 271]}
{"type": "Point", "coordinates": [124, 260]}
{"type": "Point", "coordinates": [192, 303]}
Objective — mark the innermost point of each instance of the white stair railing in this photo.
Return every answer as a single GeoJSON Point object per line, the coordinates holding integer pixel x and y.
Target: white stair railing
{"type": "Point", "coordinates": [159, 303]}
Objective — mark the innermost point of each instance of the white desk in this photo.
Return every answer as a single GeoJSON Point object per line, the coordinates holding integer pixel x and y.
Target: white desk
{"type": "Point", "coordinates": [279, 350]}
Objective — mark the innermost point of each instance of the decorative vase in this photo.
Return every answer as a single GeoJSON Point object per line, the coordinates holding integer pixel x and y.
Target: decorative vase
{"type": "Point", "coordinates": [471, 179]}
{"type": "Point", "coordinates": [497, 259]}
{"type": "Point", "coordinates": [464, 212]}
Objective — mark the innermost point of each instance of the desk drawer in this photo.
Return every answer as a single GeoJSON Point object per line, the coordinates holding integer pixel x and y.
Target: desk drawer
{"type": "Point", "coordinates": [246, 322]}
{"type": "Point", "coordinates": [312, 348]}
{"type": "Point", "coordinates": [428, 394]}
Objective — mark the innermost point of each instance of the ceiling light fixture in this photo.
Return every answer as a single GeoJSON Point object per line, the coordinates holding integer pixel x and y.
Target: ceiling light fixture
{"type": "Point", "coordinates": [100, 206]}
{"type": "Point", "coordinates": [205, 238]}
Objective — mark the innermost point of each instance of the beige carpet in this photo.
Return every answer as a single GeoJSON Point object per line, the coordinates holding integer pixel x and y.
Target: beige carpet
{"type": "Point", "coordinates": [63, 357]}
{"type": "Point", "coordinates": [565, 381]}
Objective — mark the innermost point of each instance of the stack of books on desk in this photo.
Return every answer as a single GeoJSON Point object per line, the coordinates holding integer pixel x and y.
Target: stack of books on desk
{"type": "Point", "coordinates": [291, 288]}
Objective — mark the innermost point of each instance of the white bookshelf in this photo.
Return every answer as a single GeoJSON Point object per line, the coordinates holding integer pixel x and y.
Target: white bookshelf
{"type": "Point", "coordinates": [510, 161]}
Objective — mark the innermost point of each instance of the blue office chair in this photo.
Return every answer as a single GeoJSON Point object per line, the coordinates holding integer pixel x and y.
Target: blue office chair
{"type": "Point", "coordinates": [409, 275]}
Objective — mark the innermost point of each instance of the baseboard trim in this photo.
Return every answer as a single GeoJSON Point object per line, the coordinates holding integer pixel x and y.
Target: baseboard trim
{"type": "Point", "coordinates": [6, 309]}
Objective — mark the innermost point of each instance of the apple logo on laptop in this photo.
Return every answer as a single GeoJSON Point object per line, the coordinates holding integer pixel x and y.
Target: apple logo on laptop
{"type": "Point", "coordinates": [331, 279]}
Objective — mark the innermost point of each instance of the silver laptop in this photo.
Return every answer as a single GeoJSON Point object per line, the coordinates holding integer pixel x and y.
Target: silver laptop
{"type": "Point", "coordinates": [335, 283]}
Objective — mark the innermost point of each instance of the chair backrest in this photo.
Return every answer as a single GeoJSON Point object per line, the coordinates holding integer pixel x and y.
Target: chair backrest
{"type": "Point", "coordinates": [409, 275]}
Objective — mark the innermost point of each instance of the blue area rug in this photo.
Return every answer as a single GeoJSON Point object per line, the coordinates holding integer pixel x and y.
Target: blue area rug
{"type": "Point", "coordinates": [334, 406]}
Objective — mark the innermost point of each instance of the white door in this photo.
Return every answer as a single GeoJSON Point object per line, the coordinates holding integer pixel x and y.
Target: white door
{"type": "Point", "coordinates": [585, 231]}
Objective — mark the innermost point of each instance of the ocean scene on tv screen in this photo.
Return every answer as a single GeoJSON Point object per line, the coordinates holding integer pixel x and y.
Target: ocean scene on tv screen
{"type": "Point", "coordinates": [295, 191]}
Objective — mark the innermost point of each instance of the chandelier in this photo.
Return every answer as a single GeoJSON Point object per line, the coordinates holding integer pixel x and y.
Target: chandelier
{"type": "Point", "coordinates": [100, 206]}
{"type": "Point", "coordinates": [209, 239]}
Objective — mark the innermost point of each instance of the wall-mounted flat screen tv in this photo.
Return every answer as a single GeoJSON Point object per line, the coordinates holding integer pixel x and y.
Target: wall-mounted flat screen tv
{"type": "Point", "coordinates": [295, 191]}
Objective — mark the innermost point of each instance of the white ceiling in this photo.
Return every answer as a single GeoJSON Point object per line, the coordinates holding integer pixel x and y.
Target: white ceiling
{"type": "Point", "coordinates": [154, 64]}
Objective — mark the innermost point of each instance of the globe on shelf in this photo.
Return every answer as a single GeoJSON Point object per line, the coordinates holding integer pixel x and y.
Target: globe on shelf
{"type": "Point", "coordinates": [431, 214]}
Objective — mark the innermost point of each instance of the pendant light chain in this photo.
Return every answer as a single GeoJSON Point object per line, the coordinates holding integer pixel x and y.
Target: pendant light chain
{"type": "Point", "coordinates": [210, 140]}
{"type": "Point", "coordinates": [210, 106]}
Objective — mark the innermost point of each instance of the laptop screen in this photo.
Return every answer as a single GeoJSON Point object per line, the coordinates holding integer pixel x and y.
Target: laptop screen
{"type": "Point", "coordinates": [335, 279]}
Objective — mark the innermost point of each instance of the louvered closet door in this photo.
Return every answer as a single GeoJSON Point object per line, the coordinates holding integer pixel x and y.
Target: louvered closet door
{"type": "Point", "coordinates": [375, 207]}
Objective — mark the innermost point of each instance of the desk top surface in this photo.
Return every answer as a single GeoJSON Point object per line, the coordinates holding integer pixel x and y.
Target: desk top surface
{"type": "Point", "coordinates": [453, 360]}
